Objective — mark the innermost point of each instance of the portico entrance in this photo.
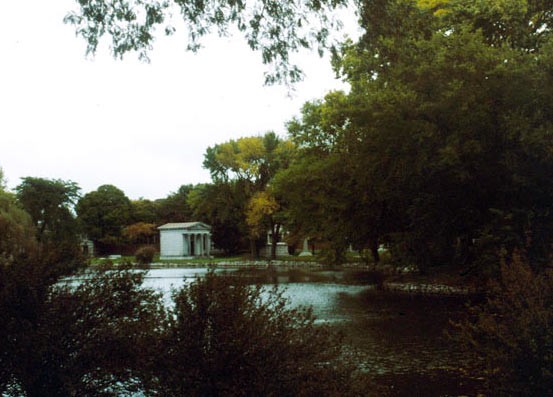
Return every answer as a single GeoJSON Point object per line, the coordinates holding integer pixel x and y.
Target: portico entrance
{"type": "Point", "coordinates": [184, 240]}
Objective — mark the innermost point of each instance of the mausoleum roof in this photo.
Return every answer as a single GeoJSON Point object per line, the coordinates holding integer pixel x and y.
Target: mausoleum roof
{"type": "Point", "coordinates": [185, 225]}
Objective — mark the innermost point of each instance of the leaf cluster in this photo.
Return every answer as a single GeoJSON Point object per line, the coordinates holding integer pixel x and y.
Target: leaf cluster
{"type": "Point", "coordinates": [50, 203]}
{"type": "Point", "coordinates": [18, 235]}
{"type": "Point", "coordinates": [512, 331]}
{"type": "Point", "coordinates": [436, 144]}
{"type": "Point", "coordinates": [274, 28]}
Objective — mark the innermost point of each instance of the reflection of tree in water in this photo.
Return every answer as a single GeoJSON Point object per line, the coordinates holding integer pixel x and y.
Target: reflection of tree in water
{"type": "Point", "coordinates": [402, 338]}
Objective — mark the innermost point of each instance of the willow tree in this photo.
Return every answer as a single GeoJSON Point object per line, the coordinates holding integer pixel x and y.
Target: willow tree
{"type": "Point", "coordinates": [274, 28]}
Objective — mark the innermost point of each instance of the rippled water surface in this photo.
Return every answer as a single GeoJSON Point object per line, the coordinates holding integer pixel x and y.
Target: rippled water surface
{"type": "Point", "coordinates": [391, 335]}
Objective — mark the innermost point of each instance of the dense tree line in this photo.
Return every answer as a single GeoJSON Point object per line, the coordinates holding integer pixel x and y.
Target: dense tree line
{"type": "Point", "coordinates": [442, 147]}
{"type": "Point", "coordinates": [62, 216]}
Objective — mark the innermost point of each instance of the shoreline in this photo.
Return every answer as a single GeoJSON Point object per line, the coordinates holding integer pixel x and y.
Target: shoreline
{"type": "Point", "coordinates": [387, 278]}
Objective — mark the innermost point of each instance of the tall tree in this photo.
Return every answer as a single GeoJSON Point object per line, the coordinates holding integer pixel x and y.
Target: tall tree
{"type": "Point", "coordinates": [347, 204]}
{"type": "Point", "coordinates": [264, 213]}
{"type": "Point", "coordinates": [17, 232]}
{"type": "Point", "coordinates": [442, 141]}
{"type": "Point", "coordinates": [50, 203]}
{"type": "Point", "coordinates": [104, 213]}
{"type": "Point", "coordinates": [250, 164]}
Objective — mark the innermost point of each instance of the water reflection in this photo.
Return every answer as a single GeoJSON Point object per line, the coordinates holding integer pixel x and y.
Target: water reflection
{"type": "Point", "coordinates": [387, 327]}
{"type": "Point", "coordinates": [392, 335]}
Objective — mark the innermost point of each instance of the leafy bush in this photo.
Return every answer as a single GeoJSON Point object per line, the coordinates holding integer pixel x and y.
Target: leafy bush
{"type": "Point", "coordinates": [229, 339]}
{"type": "Point", "coordinates": [93, 338]}
{"type": "Point", "coordinates": [145, 255]}
{"type": "Point", "coordinates": [106, 335]}
{"type": "Point", "coordinates": [512, 332]}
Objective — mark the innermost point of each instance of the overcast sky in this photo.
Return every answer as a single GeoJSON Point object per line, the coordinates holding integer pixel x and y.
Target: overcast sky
{"type": "Point", "coordinates": [141, 127]}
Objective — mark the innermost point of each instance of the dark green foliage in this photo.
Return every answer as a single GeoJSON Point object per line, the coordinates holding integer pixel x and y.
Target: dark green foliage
{"type": "Point", "coordinates": [17, 232]}
{"type": "Point", "coordinates": [2, 180]}
{"type": "Point", "coordinates": [50, 203]}
{"type": "Point", "coordinates": [512, 332]}
{"type": "Point", "coordinates": [222, 205]}
{"type": "Point", "coordinates": [145, 255]}
{"type": "Point", "coordinates": [229, 339]}
{"type": "Point", "coordinates": [103, 213]}
{"type": "Point", "coordinates": [442, 147]}
{"type": "Point", "coordinates": [101, 333]}
{"type": "Point", "coordinates": [144, 210]}
{"type": "Point", "coordinates": [175, 207]}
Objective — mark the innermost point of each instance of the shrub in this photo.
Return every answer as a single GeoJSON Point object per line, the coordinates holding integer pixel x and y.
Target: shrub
{"type": "Point", "coordinates": [230, 339]}
{"type": "Point", "coordinates": [107, 335]}
{"type": "Point", "coordinates": [95, 338]}
{"type": "Point", "coordinates": [145, 255]}
{"type": "Point", "coordinates": [512, 332]}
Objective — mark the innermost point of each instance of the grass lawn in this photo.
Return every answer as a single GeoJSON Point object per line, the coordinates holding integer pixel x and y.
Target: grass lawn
{"type": "Point", "coordinates": [315, 259]}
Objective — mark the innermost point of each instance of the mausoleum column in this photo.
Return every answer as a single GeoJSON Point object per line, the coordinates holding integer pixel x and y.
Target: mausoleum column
{"type": "Point", "coordinates": [186, 247]}
{"type": "Point", "coordinates": [200, 247]}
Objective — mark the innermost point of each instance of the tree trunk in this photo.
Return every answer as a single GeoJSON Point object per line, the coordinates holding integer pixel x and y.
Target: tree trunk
{"type": "Point", "coordinates": [253, 248]}
{"type": "Point", "coordinates": [373, 243]}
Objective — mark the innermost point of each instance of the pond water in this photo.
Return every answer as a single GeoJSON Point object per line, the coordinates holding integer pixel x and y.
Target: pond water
{"type": "Point", "coordinates": [399, 339]}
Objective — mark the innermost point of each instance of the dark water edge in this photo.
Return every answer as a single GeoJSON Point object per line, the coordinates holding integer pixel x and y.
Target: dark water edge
{"type": "Point", "coordinates": [397, 340]}
{"type": "Point", "coordinates": [403, 344]}
{"type": "Point", "coordinates": [437, 383]}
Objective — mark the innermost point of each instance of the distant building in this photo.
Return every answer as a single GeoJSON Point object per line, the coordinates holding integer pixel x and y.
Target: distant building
{"type": "Point", "coordinates": [184, 240]}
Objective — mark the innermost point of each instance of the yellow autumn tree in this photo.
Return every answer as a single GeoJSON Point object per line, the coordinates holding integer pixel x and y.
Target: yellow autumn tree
{"type": "Point", "coordinates": [247, 166]}
{"type": "Point", "coordinates": [262, 215]}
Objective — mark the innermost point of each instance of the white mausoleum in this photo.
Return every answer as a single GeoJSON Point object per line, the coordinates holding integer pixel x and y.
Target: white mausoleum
{"type": "Point", "coordinates": [184, 240]}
